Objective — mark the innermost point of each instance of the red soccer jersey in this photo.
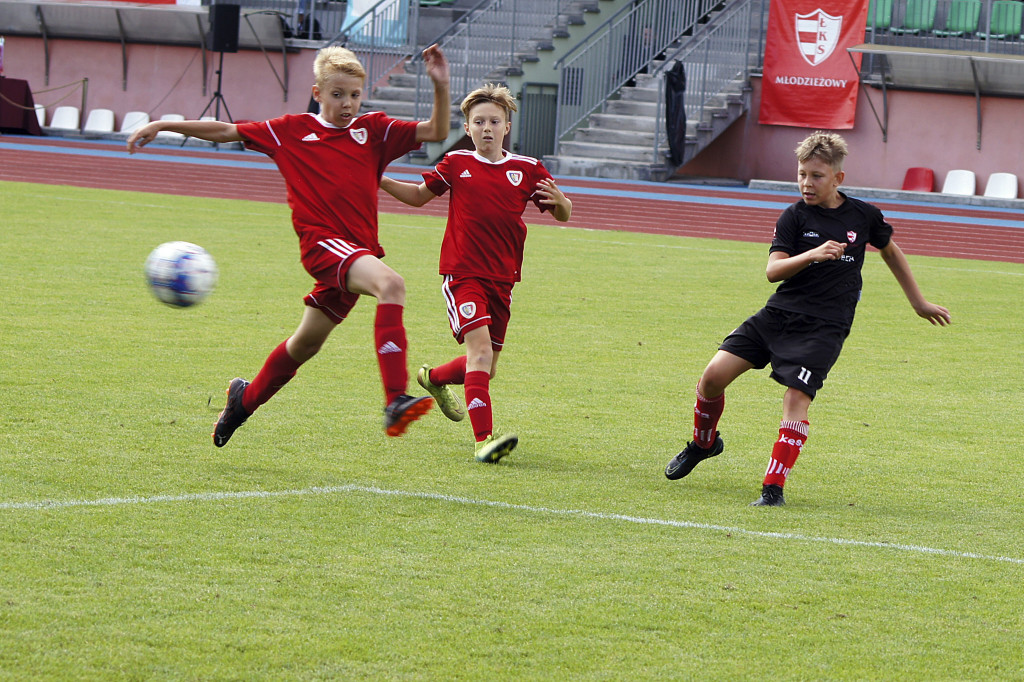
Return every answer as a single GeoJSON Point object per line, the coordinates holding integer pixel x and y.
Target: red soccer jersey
{"type": "Point", "coordinates": [332, 173]}
{"type": "Point", "coordinates": [486, 232]}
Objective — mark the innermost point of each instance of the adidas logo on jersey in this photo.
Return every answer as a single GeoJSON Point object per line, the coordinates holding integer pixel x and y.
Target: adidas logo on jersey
{"type": "Point", "coordinates": [311, 138]}
{"type": "Point", "coordinates": [475, 403]}
{"type": "Point", "coordinates": [389, 347]}
{"type": "Point", "coordinates": [466, 174]}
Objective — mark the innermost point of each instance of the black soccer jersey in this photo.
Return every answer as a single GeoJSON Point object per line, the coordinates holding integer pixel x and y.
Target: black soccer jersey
{"type": "Point", "coordinates": [829, 289]}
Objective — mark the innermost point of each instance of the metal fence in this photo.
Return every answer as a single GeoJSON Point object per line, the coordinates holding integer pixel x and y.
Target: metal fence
{"type": "Point", "coordinates": [383, 37]}
{"type": "Point", "coordinates": [616, 51]}
{"type": "Point", "coordinates": [962, 25]}
{"type": "Point", "coordinates": [715, 61]}
{"type": "Point", "coordinates": [489, 36]}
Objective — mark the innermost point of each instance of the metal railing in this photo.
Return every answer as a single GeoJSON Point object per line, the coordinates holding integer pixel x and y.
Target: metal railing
{"type": "Point", "coordinates": [383, 37]}
{"type": "Point", "coordinates": [960, 25]}
{"type": "Point", "coordinates": [616, 51]}
{"type": "Point", "coordinates": [714, 60]}
{"type": "Point", "coordinates": [490, 36]}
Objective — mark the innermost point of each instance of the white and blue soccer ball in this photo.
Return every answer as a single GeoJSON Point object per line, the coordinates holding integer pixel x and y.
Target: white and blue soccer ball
{"type": "Point", "coordinates": [181, 273]}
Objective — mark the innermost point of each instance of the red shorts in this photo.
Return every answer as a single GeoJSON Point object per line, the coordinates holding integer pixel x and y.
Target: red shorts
{"type": "Point", "coordinates": [474, 303]}
{"type": "Point", "coordinates": [329, 263]}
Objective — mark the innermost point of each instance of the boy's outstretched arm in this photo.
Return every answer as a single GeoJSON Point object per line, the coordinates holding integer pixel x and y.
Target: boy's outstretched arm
{"type": "Point", "coordinates": [897, 262]}
{"type": "Point", "coordinates": [211, 131]}
{"type": "Point", "coordinates": [439, 125]}
{"type": "Point", "coordinates": [407, 192]}
{"type": "Point", "coordinates": [560, 205]}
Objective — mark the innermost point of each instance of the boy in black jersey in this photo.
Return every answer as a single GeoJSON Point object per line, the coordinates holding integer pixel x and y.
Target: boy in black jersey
{"type": "Point", "coordinates": [817, 253]}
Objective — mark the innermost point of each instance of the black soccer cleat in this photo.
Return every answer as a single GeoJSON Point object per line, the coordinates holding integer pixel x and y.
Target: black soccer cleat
{"type": "Point", "coordinates": [771, 496]}
{"type": "Point", "coordinates": [233, 415]}
{"type": "Point", "coordinates": [683, 463]}
{"type": "Point", "coordinates": [404, 410]}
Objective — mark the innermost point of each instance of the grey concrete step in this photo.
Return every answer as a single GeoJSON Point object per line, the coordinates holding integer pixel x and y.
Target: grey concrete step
{"type": "Point", "coordinates": [618, 136]}
{"type": "Point", "coordinates": [639, 94]}
{"type": "Point", "coordinates": [406, 110]}
{"type": "Point", "coordinates": [403, 80]}
{"type": "Point", "coordinates": [627, 108]}
{"type": "Point", "coordinates": [606, 152]}
{"type": "Point", "coordinates": [390, 92]}
{"type": "Point", "coordinates": [643, 124]}
{"type": "Point", "coordinates": [591, 168]}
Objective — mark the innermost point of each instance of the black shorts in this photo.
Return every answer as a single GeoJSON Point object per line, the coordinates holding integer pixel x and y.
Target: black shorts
{"type": "Point", "coordinates": [801, 348]}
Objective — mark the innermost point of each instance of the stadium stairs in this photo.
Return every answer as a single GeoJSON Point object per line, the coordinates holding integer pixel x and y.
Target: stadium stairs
{"type": "Point", "coordinates": [617, 141]}
{"type": "Point", "coordinates": [398, 96]}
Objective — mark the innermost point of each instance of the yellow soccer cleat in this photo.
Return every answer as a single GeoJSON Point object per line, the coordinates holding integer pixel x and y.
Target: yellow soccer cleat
{"type": "Point", "coordinates": [443, 395]}
{"type": "Point", "coordinates": [493, 448]}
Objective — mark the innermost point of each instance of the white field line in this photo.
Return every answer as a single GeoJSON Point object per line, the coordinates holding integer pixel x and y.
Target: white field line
{"type": "Point", "coordinates": [439, 497]}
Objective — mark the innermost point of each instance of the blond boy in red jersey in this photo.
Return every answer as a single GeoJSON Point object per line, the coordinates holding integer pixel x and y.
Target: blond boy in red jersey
{"type": "Point", "coordinates": [481, 254]}
{"type": "Point", "coordinates": [332, 163]}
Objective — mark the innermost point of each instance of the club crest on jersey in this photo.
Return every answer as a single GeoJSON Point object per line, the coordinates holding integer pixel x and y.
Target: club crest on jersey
{"type": "Point", "coordinates": [467, 310]}
{"type": "Point", "coordinates": [514, 176]}
{"type": "Point", "coordinates": [851, 236]}
{"type": "Point", "coordinates": [359, 135]}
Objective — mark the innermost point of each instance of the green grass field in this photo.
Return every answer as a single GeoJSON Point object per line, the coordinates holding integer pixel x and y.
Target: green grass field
{"type": "Point", "coordinates": [312, 547]}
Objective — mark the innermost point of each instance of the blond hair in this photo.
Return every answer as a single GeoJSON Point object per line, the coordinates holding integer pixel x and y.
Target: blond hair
{"type": "Point", "coordinates": [335, 59]}
{"type": "Point", "coordinates": [828, 147]}
{"type": "Point", "coordinates": [492, 92]}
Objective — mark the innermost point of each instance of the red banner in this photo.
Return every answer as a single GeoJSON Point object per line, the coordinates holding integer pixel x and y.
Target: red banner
{"type": "Point", "coordinates": [809, 79]}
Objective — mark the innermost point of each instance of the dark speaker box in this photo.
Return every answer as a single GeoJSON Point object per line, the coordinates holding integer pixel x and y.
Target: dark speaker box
{"type": "Point", "coordinates": [223, 28]}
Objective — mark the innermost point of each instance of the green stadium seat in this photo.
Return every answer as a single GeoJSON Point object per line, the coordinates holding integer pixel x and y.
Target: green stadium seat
{"type": "Point", "coordinates": [879, 15]}
{"type": "Point", "coordinates": [1006, 20]}
{"type": "Point", "coordinates": [962, 18]}
{"type": "Point", "coordinates": [919, 16]}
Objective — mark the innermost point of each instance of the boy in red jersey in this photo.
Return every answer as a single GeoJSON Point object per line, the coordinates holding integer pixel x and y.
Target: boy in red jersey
{"type": "Point", "coordinates": [332, 163]}
{"type": "Point", "coordinates": [817, 253]}
{"type": "Point", "coordinates": [481, 254]}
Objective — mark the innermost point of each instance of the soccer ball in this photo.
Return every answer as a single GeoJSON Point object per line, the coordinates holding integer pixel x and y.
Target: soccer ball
{"type": "Point", "coordinates": [180, 273]}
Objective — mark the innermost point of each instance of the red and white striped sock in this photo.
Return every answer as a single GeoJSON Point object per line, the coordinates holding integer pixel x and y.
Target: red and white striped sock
{"type": "Point", "coordinates": [706, 414]}
{"type": "Point", "coordinates": [792, 436]}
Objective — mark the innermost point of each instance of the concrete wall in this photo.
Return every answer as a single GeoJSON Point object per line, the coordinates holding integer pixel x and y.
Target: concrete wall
{"type": "Point", "coordinates": [162, 79]}
{"type": "Point", "coordinates": [933, 130]}
{"type": "Point", "coordinates": [937, 131]}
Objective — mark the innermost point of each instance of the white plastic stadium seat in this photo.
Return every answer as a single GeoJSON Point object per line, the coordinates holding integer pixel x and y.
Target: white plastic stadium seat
{"type": "Point", "coordinates": [959, 182]}
{"type": "Point", "coordinates": [41, 115]}
{"type": "Point", "coordinates": [1002, 186]}
{"type": "Point", "coordinates": [133, 120]}
{"type": "Point", "coordinates": [65, 118]}
{"type": "Point", "coordinates": [168, 135]}
{"type": "Point", "coordinates": [99, 121]}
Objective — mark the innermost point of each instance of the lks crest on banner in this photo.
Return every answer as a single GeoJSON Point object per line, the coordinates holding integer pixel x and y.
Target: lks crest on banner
{"type": "Point", "coordinates": [809, 80]}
